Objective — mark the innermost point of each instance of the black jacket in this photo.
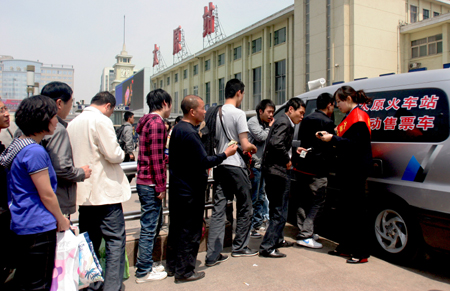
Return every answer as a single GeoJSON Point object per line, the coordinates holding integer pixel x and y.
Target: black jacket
{"type": "Point", "coordinates": [278, 144]}
{"type": "Point", "coordinates": [316, 161]}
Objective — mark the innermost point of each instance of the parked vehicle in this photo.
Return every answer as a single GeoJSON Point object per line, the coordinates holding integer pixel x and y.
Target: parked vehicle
{"type": "Point", "coordinates": [410, 184]}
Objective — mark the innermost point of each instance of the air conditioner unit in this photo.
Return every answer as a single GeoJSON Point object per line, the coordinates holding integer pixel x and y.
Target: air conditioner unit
{"type": "Point", "coordinates": [414, 65]}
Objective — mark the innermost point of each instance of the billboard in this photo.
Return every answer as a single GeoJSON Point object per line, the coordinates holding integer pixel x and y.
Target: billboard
{"type": "Point", "coordinates": [12, 104]}
{"type": "Point", "coordinates": [131, 91]}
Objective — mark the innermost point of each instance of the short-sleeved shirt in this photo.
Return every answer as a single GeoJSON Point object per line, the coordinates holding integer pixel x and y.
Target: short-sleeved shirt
{"type": "Point", "coordinates": [28, 213]}
{"type": "Point", "coordinates": [235, 123]}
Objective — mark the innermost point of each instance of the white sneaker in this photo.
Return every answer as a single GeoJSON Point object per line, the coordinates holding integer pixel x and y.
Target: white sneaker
{"type": "Point", "coordinates": [310, 243]}
{"type": "Point", "coordinates": [158, 267]}
{"type": "Point", "coordinates": [315, 237]}
{"type": "Point", "coordinates": [152, 276]}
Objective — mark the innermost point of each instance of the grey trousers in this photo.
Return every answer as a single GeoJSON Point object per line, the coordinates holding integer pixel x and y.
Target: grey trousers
{"type": "Point", "coordinates": [232, 181]}
{"type": "Point", "coordinates": [311, 199]}
{"type": "Point", "coordinates": [106, 221]}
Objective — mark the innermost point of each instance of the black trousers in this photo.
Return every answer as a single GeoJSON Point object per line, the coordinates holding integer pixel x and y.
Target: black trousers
{"type": "Point", "coordinates": [354, 237]}
{"type": "Point", "coordinates": [185, 231]}
{"type": "Point", "coordinates": [277, 190]}
{"type": "Point", "coordinates": [35, 261]}
{"type": "Point", "coordinates": [106, 221]}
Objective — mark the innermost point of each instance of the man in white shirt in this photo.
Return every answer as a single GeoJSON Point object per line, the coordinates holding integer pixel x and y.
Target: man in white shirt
{"type": "Point", "coordinates": [232, 177]}
{"type": "Point", "coordinates": [100, 198]}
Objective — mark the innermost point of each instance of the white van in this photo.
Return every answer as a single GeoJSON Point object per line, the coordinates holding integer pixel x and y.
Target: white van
{"type": "Point", "coordinates": [410, 185]}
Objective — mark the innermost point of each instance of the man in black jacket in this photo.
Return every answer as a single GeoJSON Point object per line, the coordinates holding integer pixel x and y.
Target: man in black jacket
{"type": "Point", "coordinates": [276, 168]}
{"type": "Point", "coordinates": [188, 178]}
{"type": "Point", "coordinates": [311, 168]}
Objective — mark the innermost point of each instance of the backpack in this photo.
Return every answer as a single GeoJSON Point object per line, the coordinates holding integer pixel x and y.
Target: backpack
{"type": "Point", "coordinates": [209, 131]}
{"type": "Point", "coordinates": [119, 132]}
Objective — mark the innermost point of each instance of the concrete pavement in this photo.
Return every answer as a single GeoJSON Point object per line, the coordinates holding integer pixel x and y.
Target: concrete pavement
{"type": "Point", "coordinates": [303, 269]}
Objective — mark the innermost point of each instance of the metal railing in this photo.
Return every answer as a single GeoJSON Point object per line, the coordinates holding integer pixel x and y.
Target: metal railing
{"type": "Point", "coordinates": [130, 168]}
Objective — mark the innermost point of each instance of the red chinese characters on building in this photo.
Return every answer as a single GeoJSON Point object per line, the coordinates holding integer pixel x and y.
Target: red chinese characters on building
{"type": "Point", "coordinates": [425, 122]}
{"type": "Point", "coordinates": [410, 102]}
{"type": "Point", "coordinates": [177, 40]}
{"type": "Point", "coordinates": [393, 104]}
{"type": "Point", "coordinates": [429, 102]}
{"type": "Point", "coordinates": [406, 123]}
{"type": "Point", "coordinates": [378, 104]}
{"type": "Point", "coordinates": [208, 19]}
{"type": "Point", "coordinates": [375, 123]}
{"type": "Point", "coordinates": [155, 56]}
{"type": "Point", "coordinates": [390, 123]}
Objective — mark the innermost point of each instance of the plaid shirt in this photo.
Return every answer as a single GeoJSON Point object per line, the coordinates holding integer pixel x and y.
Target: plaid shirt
{"type": "Point", "coordinates": [151, 166]}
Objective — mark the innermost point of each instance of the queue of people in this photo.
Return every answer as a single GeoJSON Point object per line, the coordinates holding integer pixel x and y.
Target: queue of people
{"type": "Point", "coordinates": [51, 167]}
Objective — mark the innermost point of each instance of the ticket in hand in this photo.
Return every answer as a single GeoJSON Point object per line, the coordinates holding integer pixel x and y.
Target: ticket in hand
{"type": "Point", "coordinates": [232, 142]}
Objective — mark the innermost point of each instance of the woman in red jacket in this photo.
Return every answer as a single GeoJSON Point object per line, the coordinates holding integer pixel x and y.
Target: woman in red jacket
{"type": "Point", "coordinates": [354, 154]}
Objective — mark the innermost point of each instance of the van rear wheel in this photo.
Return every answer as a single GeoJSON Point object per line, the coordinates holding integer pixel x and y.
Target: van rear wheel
{"type": "Point", "coordinates": [396, 234]}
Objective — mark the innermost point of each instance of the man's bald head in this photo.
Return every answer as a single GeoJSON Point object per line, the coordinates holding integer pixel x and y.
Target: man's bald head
{"type": "Point", "coordinates": [190, 102]}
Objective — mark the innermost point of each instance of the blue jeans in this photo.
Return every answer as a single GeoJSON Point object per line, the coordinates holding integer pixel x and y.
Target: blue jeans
{"type": "Point", "coordinates": [150, 211]}
{"type": "Point", "coordinates": [260, 206]}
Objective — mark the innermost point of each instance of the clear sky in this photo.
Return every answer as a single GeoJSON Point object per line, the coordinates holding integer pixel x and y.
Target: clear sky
{"type": "Point", "coordinates": [89, 34]}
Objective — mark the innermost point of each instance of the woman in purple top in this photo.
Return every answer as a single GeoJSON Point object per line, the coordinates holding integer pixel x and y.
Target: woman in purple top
{"type": "Point", "coordinates": [31, 180]}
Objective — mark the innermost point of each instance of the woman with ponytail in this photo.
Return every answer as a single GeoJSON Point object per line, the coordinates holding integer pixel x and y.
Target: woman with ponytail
{"type": "Point", "coordinates": [354, 152]}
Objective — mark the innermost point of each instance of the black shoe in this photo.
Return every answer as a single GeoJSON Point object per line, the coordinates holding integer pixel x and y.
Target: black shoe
{"type": "Point", "coordinates": [285, 244]}
{"type": "Point", "coordinates": [339, 254]}
{"type": "Point", "coordinates": [273, 254]}
{"type": "Point", "coordinates": [194, 277]}
{"type": "Point", "coordinates": [170, 274]}
{"type": "Point", "coordinates": [255, 234]}
{"type": "Point", "coordinates": [222, 258]}
{"type": "Point", "coordinates": [245, 252]}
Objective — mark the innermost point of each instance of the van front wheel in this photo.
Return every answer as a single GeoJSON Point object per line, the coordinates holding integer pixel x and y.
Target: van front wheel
{"type": "Point", "coordinates": [396, 234]}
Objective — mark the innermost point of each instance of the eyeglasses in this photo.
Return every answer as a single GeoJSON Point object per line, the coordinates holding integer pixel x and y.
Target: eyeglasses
{"type": "Point", "coordinates": [3, 109]}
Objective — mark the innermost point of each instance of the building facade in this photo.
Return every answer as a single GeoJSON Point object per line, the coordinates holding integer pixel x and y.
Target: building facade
{"type": "Point", "coordinates": [339, 40]}
{"type": "Point", "coordinates": [123, 69]}
{"type": "Point", "coordinates": [13, 76]}
{"type": "Point", "coordinates": [108, 76]}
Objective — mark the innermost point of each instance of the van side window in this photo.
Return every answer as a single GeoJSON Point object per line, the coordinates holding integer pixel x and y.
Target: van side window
{"type": "Point", "coordinates": [414, 115]}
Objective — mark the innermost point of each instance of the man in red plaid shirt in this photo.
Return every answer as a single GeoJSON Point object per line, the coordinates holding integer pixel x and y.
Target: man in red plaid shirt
{"type": "Point", "coordinates": [151, 181]}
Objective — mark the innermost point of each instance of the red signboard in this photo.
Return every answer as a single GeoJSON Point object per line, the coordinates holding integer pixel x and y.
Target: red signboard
{"type": "Point", "coordinates": [12, 104]}
{"type": "Point", "coordinates": [155, 56]}
{"type": "Point", "coordinates": [208, 19]}
{"type": "Point", "coordinates": [177, 40]}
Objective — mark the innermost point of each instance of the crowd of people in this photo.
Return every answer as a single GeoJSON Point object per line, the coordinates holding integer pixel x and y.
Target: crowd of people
{"type": "Point", "coordinates": [52, 167]}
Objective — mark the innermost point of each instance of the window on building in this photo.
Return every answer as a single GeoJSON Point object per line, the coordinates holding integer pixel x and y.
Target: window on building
{"type": "Point", "coordinates": [168, 81]}
{"type": "Point", "coordinates": [185, 93]}
{"type": "Point", "coordinates": [256, 86]}
{"type": "Point", "coordinates": [436, 14]}
{"type": "Point", "coordinates": [195, 70]}
{"type": "Point", "coordinates": [185, 74]}
{"type": "Point", "coordinates": [413, 14]}
{"type": "Point", "coordinates": [426, 46]}
{"type": "Point", "coordinates": [176, 77]}
{"type": "Point", "coordinates": [161, 84]}
{"type": "Point", "coordinates": [221, 91]}
{"type": "Point", "coordinates": [256, 45]}
{"type": "Point", "coordinates": [207, 93]}
{"type": "Point", "coordinates": [238, 76]}
{"type": "Point", "coordinates": [279, 36]}
{"type": "Point", "coordinates": [154, 86]}
{"type": "Point", "coordinates": [207, 65]}
{"type": "Point", "coordinates": [237, 54]}
{"type": "Point", "coordinates": [196, 90]}
{"type": "Point", "coordinates": [221, 60]}
{"type": "Point", "coordinates": [426, 14]}
{"type": "Point", "coordinates": [280, 82]}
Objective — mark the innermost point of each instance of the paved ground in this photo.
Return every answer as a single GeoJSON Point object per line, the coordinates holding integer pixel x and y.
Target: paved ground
{"type": "Point", "coordinates": [306, 269]}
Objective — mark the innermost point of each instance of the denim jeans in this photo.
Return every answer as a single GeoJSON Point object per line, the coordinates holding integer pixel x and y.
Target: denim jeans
{"type": "Point", "coordinates": [258, 199]}
{"type": "Point", "coordinates": [150, 213]}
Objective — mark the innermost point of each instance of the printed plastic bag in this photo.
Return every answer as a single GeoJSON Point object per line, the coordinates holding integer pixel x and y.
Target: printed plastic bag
{"type": "Point", "coordinates": [89, 268]}
{"type": "Point", "coordinates": [102, 259]}
{"type": "Point", "coordinates": [65, 272]}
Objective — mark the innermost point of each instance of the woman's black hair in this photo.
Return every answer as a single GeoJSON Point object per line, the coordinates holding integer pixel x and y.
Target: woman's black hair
{"type": "Point", "coordinates": [359, 97]}
{"type": "Point", "coordinates": [34, 114]}
{"type": "Point", "coordinates": [166, 121]}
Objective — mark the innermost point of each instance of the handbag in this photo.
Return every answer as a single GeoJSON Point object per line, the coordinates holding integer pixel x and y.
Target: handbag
{"type": "Point", "coordinates": [89, 268]}
{"type": "Point", "coordinates": [65, 272]}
